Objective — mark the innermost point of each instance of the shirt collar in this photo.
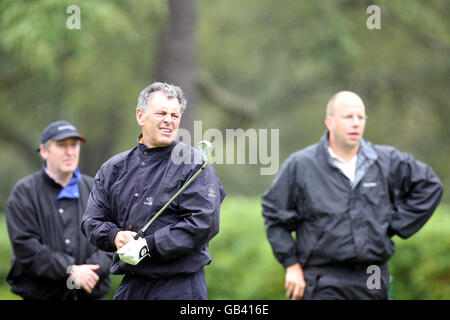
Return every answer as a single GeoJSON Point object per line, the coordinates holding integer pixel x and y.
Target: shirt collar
{"type": "Point", "coordinates": [365, 150]}
{"type": "Point", "coordinates": [70, 191]}
{"type": "Point", "coordinates": [335, 157]}
{"type": "Point", "coordinates": [143, 149]}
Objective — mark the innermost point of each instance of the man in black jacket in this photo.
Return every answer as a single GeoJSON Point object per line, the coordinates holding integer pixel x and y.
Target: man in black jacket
{"type": "Point", "coordinates": [131, 187]}
{"type": "Point", "coordinates": [345, 198]}
{"type": "Point", "coordinates": [51, 258]}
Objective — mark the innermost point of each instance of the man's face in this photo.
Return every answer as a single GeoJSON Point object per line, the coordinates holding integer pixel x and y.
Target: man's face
{"type": "Point", "coordinates": [62, 156]}
{"type": "Point", "coordinates": [161, 121]}
{"type": "Point", "coordinates": [346, 124]}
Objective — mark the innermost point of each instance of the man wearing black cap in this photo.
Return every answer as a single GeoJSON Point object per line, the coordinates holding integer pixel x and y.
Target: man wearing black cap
{"type": "Point", "coordinates": [51, 259]}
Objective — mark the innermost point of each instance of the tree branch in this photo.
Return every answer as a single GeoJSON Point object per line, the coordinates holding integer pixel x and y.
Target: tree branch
{"type": "Point", "coordinates": [244, 108]}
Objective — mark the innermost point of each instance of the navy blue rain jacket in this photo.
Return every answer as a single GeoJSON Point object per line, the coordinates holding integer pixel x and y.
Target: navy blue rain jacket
{"type": "Point", "coordinates": [131, 187]}
{"type": "Point", "coordinates": [39, 262]}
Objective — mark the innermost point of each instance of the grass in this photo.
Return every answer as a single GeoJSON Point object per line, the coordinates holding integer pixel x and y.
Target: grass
{"type": "Point", "coordinates": [5, 258]}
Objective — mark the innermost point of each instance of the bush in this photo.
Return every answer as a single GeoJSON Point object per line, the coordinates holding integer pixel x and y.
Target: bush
{"type": "Point", "coordinates": [5, 258]}
{"type": "Point", "coordinates": [243, 265]}
{"type": "Point", "coordinates": [421, 264]}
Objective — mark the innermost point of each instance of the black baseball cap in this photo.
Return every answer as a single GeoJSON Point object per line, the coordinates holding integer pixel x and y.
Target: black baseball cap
{"type": "Point", "coordinates": [60, 130]}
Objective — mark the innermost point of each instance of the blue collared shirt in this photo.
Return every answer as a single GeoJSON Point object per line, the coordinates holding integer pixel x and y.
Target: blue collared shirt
{"type": "Point", "coordinates": [70, 191]}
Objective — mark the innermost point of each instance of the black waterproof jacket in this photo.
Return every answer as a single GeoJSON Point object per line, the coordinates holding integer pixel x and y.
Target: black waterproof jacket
{"type": "Point", "coordinates": [337, 222]}
{"type": "Point", "coordinates": [126, 196]}
{"type": "Point", "coordinates": [39, 263]}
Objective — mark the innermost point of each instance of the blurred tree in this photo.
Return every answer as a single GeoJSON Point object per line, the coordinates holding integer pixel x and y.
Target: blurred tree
{"type": "Point", "coordinates": [176, 56]}
{"type": "Point", "coordinates": [253, 64]}
{"type": "Point", "coordinates": [49, 72]}
{"type": "Point", "coordinates": [176, 63]}
{"type": "Point", "coordinates": [291, 56]}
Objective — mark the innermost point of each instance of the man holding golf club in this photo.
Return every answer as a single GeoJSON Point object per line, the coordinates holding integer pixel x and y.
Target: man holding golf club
{"type": "Point", "coordinates": [158, 205]}
{"type": "Point", "coordinates": [345, 198]}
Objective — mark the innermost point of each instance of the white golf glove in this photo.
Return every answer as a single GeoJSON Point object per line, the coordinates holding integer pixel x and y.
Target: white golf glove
{"type": "Point", "coordinates": [134, 251]}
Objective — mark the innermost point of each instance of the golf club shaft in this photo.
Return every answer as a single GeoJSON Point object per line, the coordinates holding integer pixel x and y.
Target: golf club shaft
{"type": "Point", "coordinates": [170, 200]}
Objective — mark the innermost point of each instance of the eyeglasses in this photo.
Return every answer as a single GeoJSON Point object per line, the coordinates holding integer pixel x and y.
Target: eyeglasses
{"type": "Point", "coordinates": [350, 118]}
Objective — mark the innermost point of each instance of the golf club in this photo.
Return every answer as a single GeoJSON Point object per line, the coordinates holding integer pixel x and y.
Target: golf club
{"type": "Point", "coordinates": [205, 149]}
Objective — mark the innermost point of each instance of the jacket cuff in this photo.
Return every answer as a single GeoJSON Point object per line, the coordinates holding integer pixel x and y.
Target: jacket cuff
{"type": "Point", "coordinates": [112, 236]}
{"type": "Point", "coordinates": [290, 261]}
{"type": "Point", "coordinates": [152, 246]}
{"type": "Point", "coordinates": [70, 263]}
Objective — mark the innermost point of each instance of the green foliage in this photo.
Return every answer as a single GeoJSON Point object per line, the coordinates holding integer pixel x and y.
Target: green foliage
{"type": "Point", "coordinates": [244, 268]}
{"type": "Point", "coordinates": [90, 77]}
{"type": "Point", "coordinates": [291, 56]}
{"type": "Point", "coordinates": [5, 258]}
{"type": "Point", "coordinates": [115, 281]}
{"type": "Point", "coordinates": [421, 264]}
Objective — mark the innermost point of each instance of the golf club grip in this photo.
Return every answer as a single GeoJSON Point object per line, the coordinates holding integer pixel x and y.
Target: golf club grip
{"type": "Point", "coordinates": [137, 236]}
{"type": "Point", "coordinates": [115, 256]}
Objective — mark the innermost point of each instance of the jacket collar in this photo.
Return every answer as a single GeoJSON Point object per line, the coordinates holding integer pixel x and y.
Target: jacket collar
{"type": "Point", "coordinates": [146, 153]}
{"type": "Point", "coordinates": [365, 150]}
{"type": "Point", "coordinates": [70, 191]}
{"type": "Point", "coordinates": [366, 156]}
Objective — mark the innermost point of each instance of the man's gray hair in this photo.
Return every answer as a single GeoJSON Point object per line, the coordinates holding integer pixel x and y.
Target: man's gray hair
{"type": "Point", "coordinates": [170, 90]}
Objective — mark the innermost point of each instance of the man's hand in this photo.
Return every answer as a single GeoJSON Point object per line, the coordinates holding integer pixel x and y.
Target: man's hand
{"type": "Point", "coordinates": [295, 282]}
{"type": "Point", "coordinates": [134, 251]}
{"type": "Point", "coordinates": [84, 275]}
{"type": "Point", "coordinates": [123, 237]}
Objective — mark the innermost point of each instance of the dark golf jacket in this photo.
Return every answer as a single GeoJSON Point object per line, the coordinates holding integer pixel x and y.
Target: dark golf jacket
{"type": "Point", "coordinates": [41, 256]}
{"type": "Point", "coordinates": [131, 187]}
{"type": "Point", "coordinates": [337, 222]}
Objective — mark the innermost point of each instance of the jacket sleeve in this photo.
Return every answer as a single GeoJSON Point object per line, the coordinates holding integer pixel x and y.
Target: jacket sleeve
{"type": "Point", "coordinates": [199, 211]}
{"type": "Point", "coordinates": [30, 251]}
{"type": "Point", "coordinates": [103, 259]}
{"type": "Point", "coordinates": [97, 222]}
{"type": "Point", "coordinates": [280, 214]}
{"type": "Point", "coordinates": [416, 192]}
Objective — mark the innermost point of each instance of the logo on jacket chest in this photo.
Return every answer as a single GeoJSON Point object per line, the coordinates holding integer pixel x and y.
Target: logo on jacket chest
{"type": "Point", "coordinates": [149, 201]}
{"type": "Point", "coordinates": [211, 192]}
{"type": "Point", "coordinates": [369, 184]}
